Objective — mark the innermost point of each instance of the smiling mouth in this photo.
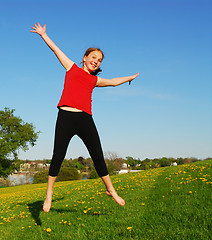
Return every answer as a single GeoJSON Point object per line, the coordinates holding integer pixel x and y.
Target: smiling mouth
{"type": "Point", "coordinates": [93, 65]}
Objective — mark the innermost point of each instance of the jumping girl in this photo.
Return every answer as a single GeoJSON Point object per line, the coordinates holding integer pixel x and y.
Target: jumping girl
{"type": "Point", "coordinates": [75, 114]}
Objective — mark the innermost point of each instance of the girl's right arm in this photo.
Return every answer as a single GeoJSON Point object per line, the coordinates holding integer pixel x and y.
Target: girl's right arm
{"type": "Point", "coordinates": [65, 61]}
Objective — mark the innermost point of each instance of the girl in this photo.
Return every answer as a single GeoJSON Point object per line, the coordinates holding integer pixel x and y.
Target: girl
{"type": "Point", "coordinates": [75, 113]}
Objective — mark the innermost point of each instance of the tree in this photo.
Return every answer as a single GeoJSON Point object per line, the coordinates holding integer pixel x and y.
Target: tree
{"type": "Point", "coordinates": [132, 162]}
{"type": "Point", "coordinates": [15, 134]}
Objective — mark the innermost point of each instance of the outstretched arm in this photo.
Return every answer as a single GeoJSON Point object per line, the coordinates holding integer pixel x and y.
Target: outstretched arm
{"type": "Point", "coordinates": [101, 82]}
{"type": "Point", "coordinates": [65, 61]}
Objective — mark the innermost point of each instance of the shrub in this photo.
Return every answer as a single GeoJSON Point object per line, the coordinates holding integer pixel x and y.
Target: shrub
{"type": "Point", "coordinates": [68, 174]}
{"type": "Point", "coordinates": [41, 177]}
{"type": "Point", "coordinates": [93, 174]}
{"type": "Point", "coordinates": [65, 174]}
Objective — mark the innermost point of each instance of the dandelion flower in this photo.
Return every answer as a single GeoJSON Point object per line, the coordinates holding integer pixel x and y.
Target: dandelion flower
{"type": "Point", "coordinates": [48, 230]}
{"type": "Point", "coordinates": [129, 228]}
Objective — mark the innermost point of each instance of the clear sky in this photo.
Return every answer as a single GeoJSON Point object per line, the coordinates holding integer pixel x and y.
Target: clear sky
{"type": "Point", "coordinates": [165, 112]}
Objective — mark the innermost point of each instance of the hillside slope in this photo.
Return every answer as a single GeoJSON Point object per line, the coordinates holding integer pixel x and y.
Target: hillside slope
{"type": "Point", "coordinates": [164, 203]}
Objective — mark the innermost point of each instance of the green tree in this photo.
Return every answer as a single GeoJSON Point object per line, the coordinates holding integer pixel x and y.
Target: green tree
{"type": "Point", "coordinates": [133, 162]}
{"type": "Point", "coordinates": [93, 174]}
{"type": "Point", "coordinates": [15, 134]}
{"type": "Point", "coordinates": [164, 162]}
{"type": "Point", "coordinates": [65, 174]}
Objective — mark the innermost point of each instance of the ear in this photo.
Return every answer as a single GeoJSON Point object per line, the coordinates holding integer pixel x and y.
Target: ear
{"type": "Point", "coordinates": [84, 59]}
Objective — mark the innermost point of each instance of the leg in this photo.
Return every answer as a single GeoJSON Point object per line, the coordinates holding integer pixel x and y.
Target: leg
{"type": "Point", "coordinates": [63, 133]}
{"type": "Point", "coordinates": [88, 133]}
{"type": "Point", "coordinates": [110, 191]}
{"type": "Point", "coordinates": [49, 193]}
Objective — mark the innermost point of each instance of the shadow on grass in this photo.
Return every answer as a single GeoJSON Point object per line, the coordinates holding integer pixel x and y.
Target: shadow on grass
{"type": "Point", "coordinates": [36, 208]}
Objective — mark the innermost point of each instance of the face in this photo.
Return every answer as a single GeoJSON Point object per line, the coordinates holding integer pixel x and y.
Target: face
{"type": "Point", "coordinates": [92, 61]}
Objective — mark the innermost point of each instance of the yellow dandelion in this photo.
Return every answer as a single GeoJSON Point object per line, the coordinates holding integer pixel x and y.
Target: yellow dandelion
{"type": "Point", "coordinates": [48, 230]}
{"type": "Point", "coordinates": [190, 191]}
{"type": "Point", "coordinates": [129, 228]}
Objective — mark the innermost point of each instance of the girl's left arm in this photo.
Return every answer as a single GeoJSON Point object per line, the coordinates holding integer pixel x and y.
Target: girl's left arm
{"type": "Point", "coordinates": [102, 82]}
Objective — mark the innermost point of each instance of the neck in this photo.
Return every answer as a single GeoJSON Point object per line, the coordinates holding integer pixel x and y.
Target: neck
{"type": "Point", "coordinates": [85, 69]}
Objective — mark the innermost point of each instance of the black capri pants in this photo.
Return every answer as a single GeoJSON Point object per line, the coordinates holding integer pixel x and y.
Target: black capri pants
{"type": "Point", "coordinates": [81, 124]}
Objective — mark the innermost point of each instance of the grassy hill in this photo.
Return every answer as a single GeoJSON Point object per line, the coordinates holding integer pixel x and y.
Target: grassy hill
{"type": "Point", "coordinates": [164, 203]}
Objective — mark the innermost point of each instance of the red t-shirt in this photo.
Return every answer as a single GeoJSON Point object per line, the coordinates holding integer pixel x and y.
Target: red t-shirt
{"type": "Point", "coordinates": [78, 88]}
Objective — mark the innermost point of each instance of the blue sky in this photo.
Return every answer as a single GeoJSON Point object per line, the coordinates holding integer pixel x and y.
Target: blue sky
{"type": "Point", "coordinates": [166, 111]}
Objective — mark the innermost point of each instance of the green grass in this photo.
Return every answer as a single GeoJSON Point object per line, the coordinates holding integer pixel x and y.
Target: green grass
{"type": "Point", "coordinates": [164, 203]}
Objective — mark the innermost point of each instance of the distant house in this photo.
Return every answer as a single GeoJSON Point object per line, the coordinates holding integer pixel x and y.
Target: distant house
{"type": "Point", "coordinates": [173, 164]}
{"type": "Point", "coordinates": [41, 165]}
{"type": "Point", "coordinates": [125, 165]}
{"type": "Point", "coordinates": [25, 166]}
{"type": "Point", "coordinates": [128, 170]}
{"type": "Point", "coordinates": [123, 171]}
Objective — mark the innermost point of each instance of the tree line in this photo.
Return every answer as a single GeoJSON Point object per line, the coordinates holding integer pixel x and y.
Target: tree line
{"type": "Point", "coordinates": [15, 134]}
{"type": "Point", "coordinates": [79, 166]}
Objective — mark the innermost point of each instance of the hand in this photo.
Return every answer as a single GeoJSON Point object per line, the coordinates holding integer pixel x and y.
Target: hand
{"type": "Point", "coordinates": [38, 29]}
{"type": "Point", "coordinates": [133, 77]}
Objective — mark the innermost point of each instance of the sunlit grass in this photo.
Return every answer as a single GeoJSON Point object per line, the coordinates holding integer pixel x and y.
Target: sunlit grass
{"type": "Point", "coordinates": [163, 203]}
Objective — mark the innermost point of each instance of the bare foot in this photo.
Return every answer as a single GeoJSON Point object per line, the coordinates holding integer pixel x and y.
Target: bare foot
{"type": "Point", "coordinates": [116, 197]}
{"type": "Point", "coordinates": [48, 202]}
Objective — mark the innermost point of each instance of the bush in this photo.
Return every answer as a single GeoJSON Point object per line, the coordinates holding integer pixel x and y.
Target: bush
{"type": "Point", "coordinates": [111, 167]}
{"type": "Point", "coordinates": [68, 174]}
{"type": "Point", "coordinates": [65, 174]}
{"type": "Point", "coordinates": [93, 174]}
{"type": "Point", "coordinates": [41, 177]}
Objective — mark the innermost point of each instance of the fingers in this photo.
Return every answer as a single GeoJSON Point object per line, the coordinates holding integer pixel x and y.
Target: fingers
{"type": "Point", "coordinates": [135, 76]}
{"type": "Point", "coordinates": [37, 28]}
